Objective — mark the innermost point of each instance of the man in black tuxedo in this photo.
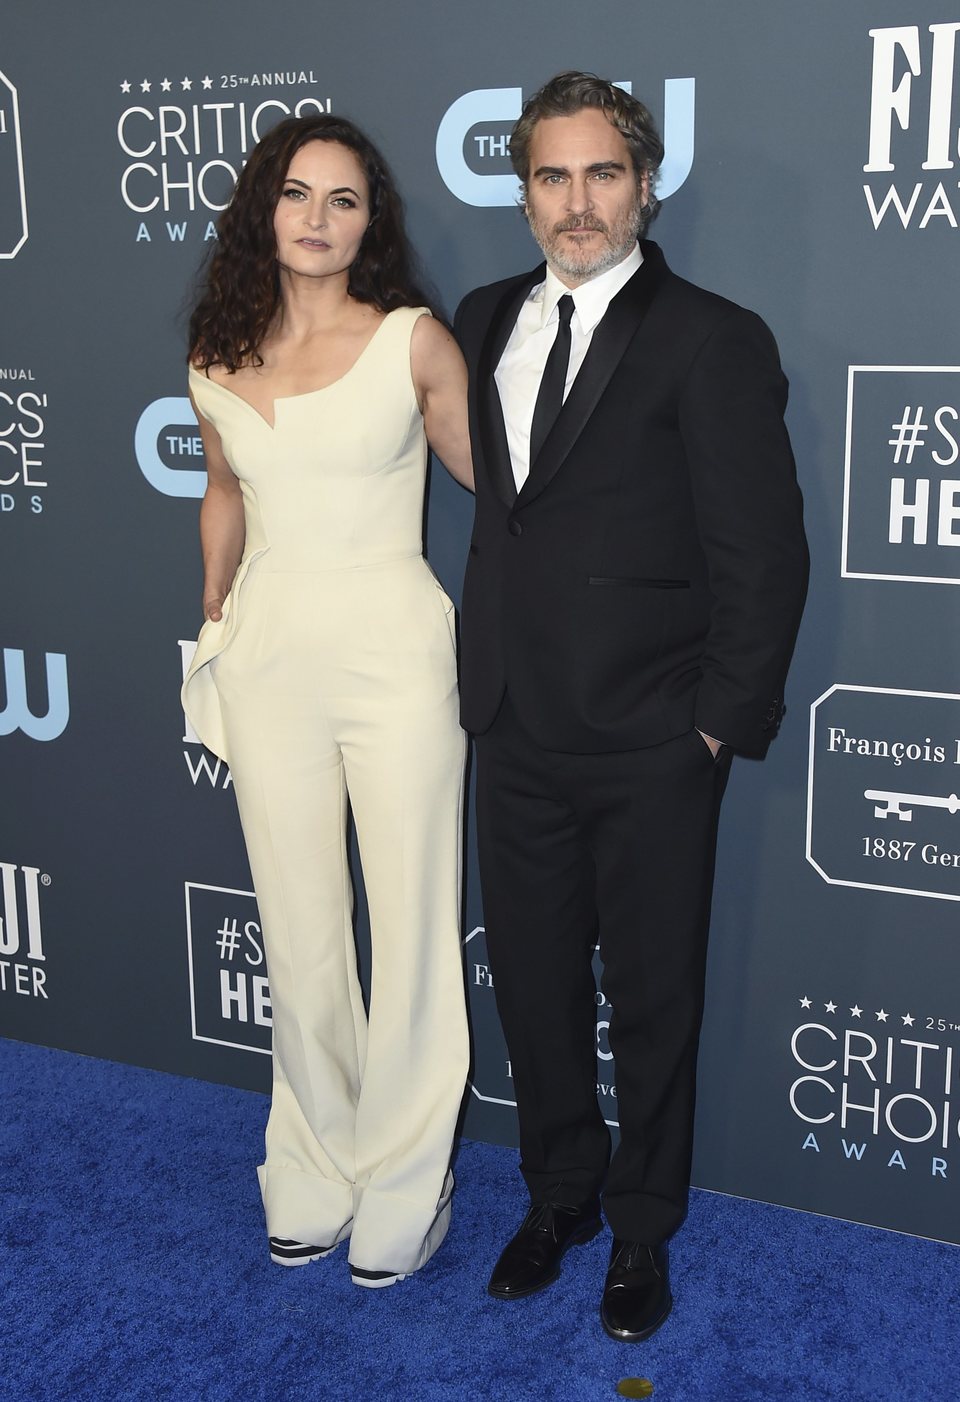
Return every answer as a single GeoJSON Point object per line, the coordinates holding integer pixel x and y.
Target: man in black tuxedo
{"type": "Point", "coordinates": [635, 582]}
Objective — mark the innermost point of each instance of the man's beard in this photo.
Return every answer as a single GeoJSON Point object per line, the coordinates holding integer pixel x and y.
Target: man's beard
{"type": "Point", "coordinates": [587, 261]}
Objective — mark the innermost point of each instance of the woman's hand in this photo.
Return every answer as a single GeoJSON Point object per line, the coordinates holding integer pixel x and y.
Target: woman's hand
{"type": "Point", "coordinates": [213, 607]}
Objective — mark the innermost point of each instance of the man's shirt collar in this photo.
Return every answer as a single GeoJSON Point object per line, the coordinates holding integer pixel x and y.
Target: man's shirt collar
{"type": "Point", "coordinates": [591, 298]}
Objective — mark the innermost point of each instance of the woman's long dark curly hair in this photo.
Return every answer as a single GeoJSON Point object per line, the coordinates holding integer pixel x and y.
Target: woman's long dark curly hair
{"type": "Point", "coordinates": [240, 295]}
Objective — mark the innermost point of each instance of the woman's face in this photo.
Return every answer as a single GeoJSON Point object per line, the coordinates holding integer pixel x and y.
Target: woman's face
{"type": "Point", "coordinates": [323, 211]}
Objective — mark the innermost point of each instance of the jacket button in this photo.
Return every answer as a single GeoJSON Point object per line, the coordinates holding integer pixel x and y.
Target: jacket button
{"type": "Point", "coordinates": [515, 528]}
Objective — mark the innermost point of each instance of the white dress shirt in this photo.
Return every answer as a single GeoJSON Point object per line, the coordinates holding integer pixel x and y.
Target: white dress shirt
{"type": "Point", "coordinates": [520, 370]}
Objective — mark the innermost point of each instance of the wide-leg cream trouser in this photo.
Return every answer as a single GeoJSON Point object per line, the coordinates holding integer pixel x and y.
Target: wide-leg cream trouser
{"type": "Point", "coordinates": [340, 686]}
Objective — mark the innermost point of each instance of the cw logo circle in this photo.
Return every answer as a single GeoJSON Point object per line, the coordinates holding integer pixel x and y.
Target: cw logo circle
{"type": "Point", "coordinates": [484, 106]}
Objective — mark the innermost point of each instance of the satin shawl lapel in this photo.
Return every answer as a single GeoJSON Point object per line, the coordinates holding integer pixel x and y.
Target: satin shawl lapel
{"type": "Point", "coordinates": [619, 325]}
{"type": "Point", "coordinates": [493, 432]}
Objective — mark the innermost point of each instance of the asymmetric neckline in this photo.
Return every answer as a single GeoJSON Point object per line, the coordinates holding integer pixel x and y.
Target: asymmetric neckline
{"type": "Point", "coordinates": [304, 394]}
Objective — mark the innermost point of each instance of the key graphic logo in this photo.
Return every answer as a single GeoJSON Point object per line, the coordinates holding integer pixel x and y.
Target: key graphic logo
{"type": "Point", "coordinates": [882, 800]}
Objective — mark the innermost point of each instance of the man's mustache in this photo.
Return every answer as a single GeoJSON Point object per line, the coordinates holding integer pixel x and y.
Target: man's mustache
{"type": "Point", "coordinates": [587, 225]}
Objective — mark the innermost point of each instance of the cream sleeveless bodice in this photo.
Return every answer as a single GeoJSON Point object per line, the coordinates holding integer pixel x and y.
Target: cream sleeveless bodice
{"type": "Point", "coordinates": [335, 483]}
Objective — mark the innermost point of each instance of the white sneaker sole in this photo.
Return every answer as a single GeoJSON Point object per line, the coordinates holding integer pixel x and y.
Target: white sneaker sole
{"type": "Point", "coordinates": [373, 1280]}
{"type": "Point", "coordinates": [284, 1252]}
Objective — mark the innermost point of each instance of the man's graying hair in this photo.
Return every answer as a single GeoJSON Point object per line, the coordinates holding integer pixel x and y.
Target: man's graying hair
{"type": "Point", "coordinates": [569, 93]}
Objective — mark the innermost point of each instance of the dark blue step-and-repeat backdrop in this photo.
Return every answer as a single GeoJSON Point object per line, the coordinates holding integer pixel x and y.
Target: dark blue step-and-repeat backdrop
{"type": "Point", "coordinates": [812, 173]}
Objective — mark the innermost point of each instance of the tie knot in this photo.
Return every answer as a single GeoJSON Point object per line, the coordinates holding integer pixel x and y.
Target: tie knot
{"type": "Point", "coordinates": [565, 309]}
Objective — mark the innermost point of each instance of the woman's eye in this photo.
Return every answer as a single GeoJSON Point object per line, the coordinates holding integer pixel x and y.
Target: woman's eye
{"type": "Point", "coordinates": [344, 202]}
{"type": "Point", "coordinates": [293, 194]}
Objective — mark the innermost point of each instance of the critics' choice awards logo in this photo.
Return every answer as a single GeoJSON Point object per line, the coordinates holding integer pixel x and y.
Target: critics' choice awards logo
{"type": "Point", "coordinates": [13, 195]}
{"type": "Point", "coordinates": [913, 128]}
{"type": "Point", "coordinates": [203, 767]}
{"type": "Point", "coordinates": [492, 1077]}
{"type": "Point", "coordinates": [183, 142]}
{"type": "Point", "coordinates": [876, 1086]}
{"type": "Point", "coordinates": [23, 414]}
{"type": "Point", "coordinates": [474, 135]}
{"type": "Point", "coordinates": [229, 993]}
{"type": "Point", "coordinates": [21, 932]}
{"type": "Point", "coordinates": [20, 712]}
{"type": "Point", "coordinates": [901, 500]}
{"type": "Point", "coordinates": [883, 810]}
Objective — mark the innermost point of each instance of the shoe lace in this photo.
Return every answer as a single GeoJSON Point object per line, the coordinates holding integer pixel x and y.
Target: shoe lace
{"type": "Point", "coordinates": [542, 1215]}
{"type": "Point", "coordinates": [633, 1256]}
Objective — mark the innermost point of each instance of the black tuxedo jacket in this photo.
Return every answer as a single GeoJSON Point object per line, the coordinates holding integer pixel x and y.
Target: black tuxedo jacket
{"type": "Point", "coordinates": [651, 573]}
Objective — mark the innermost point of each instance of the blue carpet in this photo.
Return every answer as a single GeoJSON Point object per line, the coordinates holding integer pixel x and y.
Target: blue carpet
{"type": "Point", "coordinates": [134, 1266]}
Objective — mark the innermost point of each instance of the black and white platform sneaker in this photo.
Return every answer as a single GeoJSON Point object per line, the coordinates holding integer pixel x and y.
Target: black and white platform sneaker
{"type": "Point", "coordinates": [374, 1280]}
{"type": "Point", "coordinates": [286, 1252]}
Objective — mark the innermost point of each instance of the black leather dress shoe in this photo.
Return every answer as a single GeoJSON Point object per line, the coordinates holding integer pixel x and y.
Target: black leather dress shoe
{"type": "Point", "coordinates": [532, 1258]}
{"type": "Point", "coordinates": [636, 1296]}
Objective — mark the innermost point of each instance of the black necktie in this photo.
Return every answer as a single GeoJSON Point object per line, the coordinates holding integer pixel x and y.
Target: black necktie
{"type": "Point", "coordinates": [550, 395]}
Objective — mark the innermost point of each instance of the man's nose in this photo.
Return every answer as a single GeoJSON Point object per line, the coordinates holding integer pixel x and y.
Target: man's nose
{"type": "Point", "coordinates": [579, 198]}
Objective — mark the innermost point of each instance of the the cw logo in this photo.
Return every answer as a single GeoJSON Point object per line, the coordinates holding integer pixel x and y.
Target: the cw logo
{"type": "Point", "coordinates": [165, 420]}
{"type": "Point", "coordinates": [17, 714]}
{"type": "Point", "coordinates": [486, 105]}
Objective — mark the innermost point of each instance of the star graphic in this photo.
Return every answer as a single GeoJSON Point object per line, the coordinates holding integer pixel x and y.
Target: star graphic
{"type": "Point", "coordinates": [805, 1003]}
{"type": "Point", "coordinates": [186, 84]}
{"type": "Point", "coordinates": [856, 1011]}
{"type": "Point", "coordinates": [831, 1007]}
{"type": "Point", "coordinates": [908, 1020]}
{"type": "Point", "coordinates": [124, 86]}
{"type": "Point", "coordinates": [144, 86]}
{"type": "Point", "coordinates": [208, 82]}
{"type": "Point", "coordinates": [882, 1016]}
{"type": "Point", "coordinates": [165, 85]}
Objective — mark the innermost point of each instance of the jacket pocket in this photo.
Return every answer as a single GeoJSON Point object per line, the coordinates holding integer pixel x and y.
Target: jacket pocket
{"type": "Point", "coordinates": [624, 580]}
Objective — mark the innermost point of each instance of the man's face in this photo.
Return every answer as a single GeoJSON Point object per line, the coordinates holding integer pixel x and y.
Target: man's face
{"type": "Point", "coordinates": [583, 199]}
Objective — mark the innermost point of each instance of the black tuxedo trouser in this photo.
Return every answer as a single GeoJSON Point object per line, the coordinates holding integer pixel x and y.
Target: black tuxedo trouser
{"type": "Point", "coordinates": [577, 849]}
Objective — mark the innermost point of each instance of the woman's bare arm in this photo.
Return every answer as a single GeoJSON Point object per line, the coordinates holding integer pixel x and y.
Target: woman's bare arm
{"type": "Point", "coordinates": [222, 530]}
{"type": "Point", "coordinates": [440, 378]}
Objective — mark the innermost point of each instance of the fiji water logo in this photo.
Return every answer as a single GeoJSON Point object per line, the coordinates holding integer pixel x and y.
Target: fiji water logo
{"type": "Point", "coordinates": [913, 127]}
{"type": "Point", "coordinates": [21, 933]}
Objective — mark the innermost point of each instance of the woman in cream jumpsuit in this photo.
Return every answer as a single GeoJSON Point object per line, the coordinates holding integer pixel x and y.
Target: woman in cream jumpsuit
{"type": "Point", "coordinates": [325, 674]}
